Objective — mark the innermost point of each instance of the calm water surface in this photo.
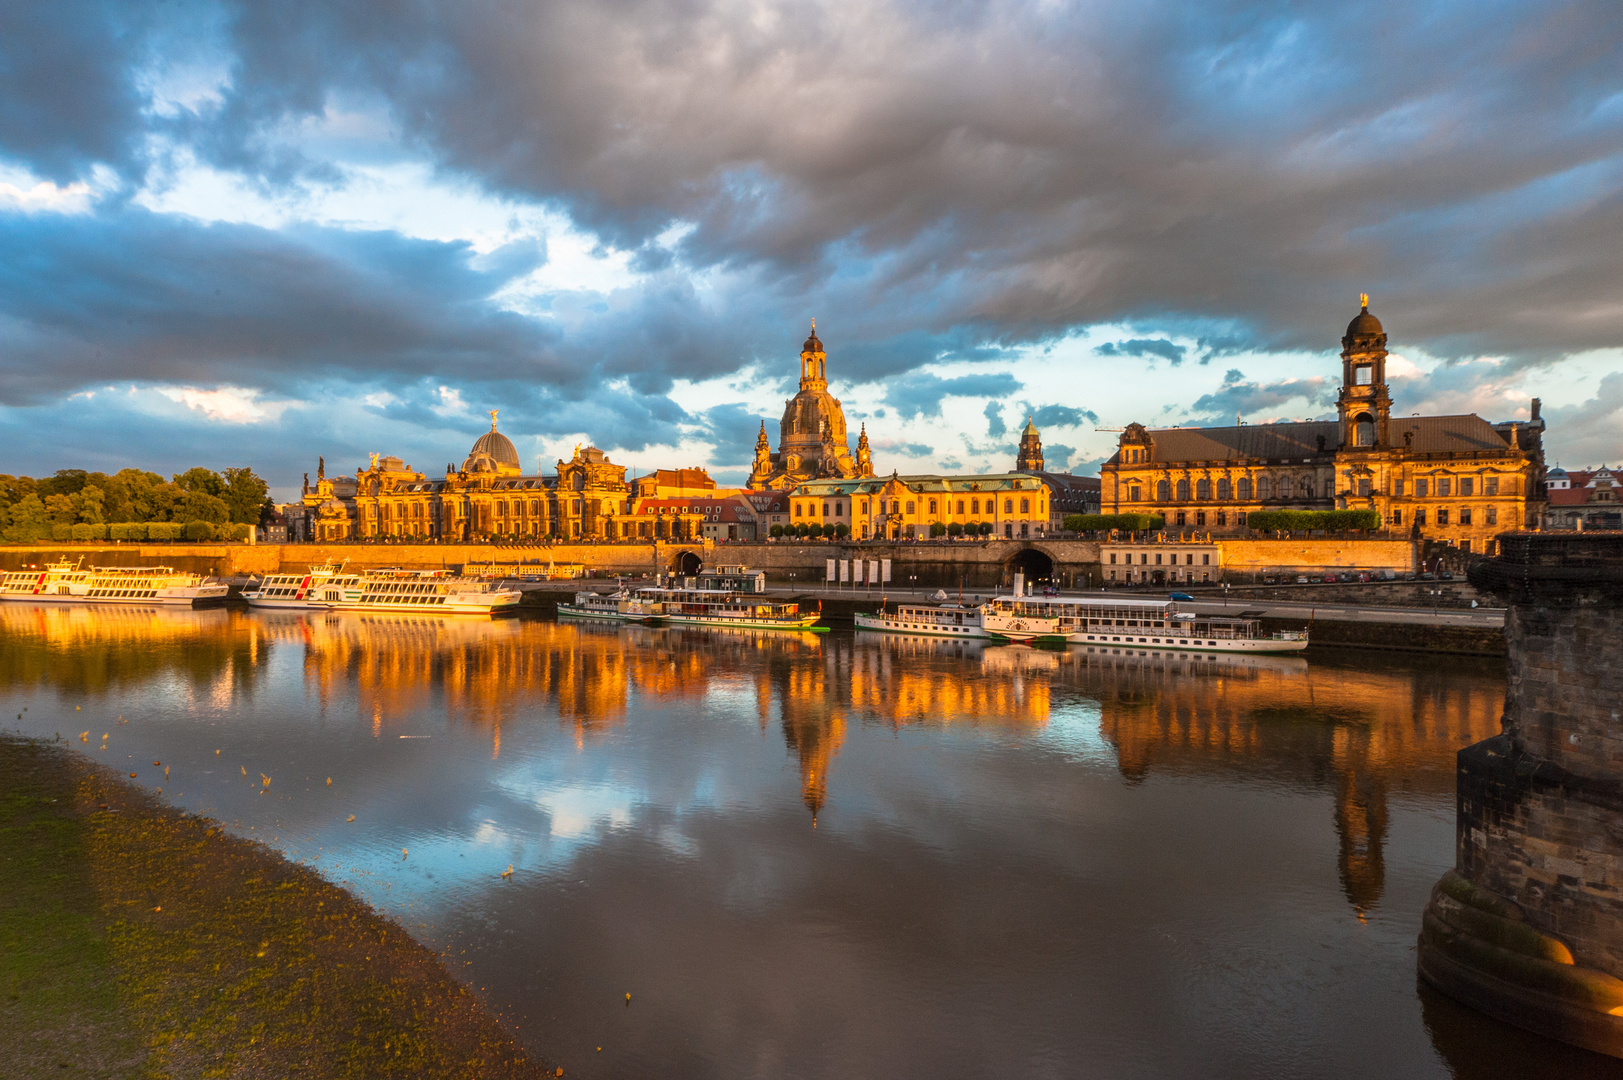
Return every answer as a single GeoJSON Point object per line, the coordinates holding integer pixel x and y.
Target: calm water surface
{"type": "Point", "coordinates": [831, 856]}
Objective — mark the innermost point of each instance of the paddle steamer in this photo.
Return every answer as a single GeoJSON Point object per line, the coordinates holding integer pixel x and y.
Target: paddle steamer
{"type": "Point", "coordinates": [387, 589]}
{"type": "Point", "coordinates": [63, 582]}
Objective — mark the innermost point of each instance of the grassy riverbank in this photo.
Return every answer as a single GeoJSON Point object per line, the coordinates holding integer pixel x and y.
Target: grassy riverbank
{"type": "Point", "coordinates": [136, 941]}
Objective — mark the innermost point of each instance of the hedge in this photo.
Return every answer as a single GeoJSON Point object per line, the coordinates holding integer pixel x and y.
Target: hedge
{"type": "Point", "coordinates": [197, 530]}
{"type": "Point", "coordinates": [127, 530]}
{"type": "Point", "coordinates": [1118, 522]}
{"type": "Point", "coordinates": [1313, 520]}
{"type": "Point", "coordinates": [164, 530]}
{"type": "Point", "coordinates": [61, 532]}
{"type": "Point", "coordinates": [86, 531]}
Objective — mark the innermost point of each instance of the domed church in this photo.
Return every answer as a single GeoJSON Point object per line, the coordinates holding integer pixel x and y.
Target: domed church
{"type": "Point", "coordinates": [811, 436]}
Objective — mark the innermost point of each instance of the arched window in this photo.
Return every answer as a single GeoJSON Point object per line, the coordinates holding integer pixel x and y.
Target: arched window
{"type": "Point", "coordinates": [1203, 489]}
{"type": "Point", "coordinates": [932, 506]}
{"type": "Point", "coordinates": [1363, 430]}
{"type": "Point", "coordinates": [1025, 506]}
{"type": "Point", "coordinates": [1008, 506]}
{"type": "Point", "coordinates": [1163, 491]}
{"type": "Point", "coordinates": [1307, 487]}
{"type": "Point", "coordinates": [1224, 491]}
{"type": "Point", "coordinates": [910, 506]}
{"type": "Point", "coordinates": [1284, 487]}
{"type": "Point", "coordinates": [1245, 489]}
{"type": "Point", "coordinates": [1183, 490]}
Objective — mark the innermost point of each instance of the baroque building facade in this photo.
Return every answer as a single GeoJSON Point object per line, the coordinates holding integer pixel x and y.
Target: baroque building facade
{"type": "Point", "coordinates": [1015, 505]}
{"type": "Point", "coordinates": [491, 497]}
{"type": "Point", "coordinates": [1456, 479]}
{"type": "Point", "coordinates": [812, 439]}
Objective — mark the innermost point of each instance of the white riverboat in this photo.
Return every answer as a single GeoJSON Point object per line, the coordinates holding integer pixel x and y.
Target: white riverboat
{"type": "Point", "coordinates": [722, 608]}
{"type": "Point", "coordinates": [926, 620]}
{"type": "Point", "coordinates": [1157, 624]}
{"type": "Point", "coordinates": [620, 605]}
{"type": "Point", "coordinates": [63, 582]}
{"type": "Point", "coordinates": [390, 589]}
{"type": "Point", "coordinates": [301, 590]}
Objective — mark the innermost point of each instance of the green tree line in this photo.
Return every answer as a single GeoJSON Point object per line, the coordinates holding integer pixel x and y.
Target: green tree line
{"type": "Point", "coordinates": [73, 504]}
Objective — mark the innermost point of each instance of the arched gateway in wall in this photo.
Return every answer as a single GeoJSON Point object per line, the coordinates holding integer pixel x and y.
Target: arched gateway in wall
{"type": "Point", "coordinates": [1035, 563]}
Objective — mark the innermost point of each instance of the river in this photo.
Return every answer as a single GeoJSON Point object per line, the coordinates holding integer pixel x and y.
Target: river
{"type": "Point", "coordinates": [831, 855]}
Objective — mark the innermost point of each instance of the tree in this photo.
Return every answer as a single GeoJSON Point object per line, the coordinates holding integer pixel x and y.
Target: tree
{"type": "Point", "coordinates": [199, 506]}
{"type": "Point", "coordinates": [937, 529]}
{"type": "Point", "coordinates": [27, 520]}
{"type": "Point", "coordinates": [198, 530]}
{"type": "Point", "coordinates": [955, 529]}
{"type": "Point", "coordinates": [90, 503]}
{"type": "Point", "coordinates": [776, 531]}
{"type": "Point", "coordinates": [244, 494]}
{"type": "Point", "coordinates": [200, 479]}
{"type": "Point", "coordinates": [829, 530]}
{"type": "Point", "coordinates": [1121, 522]}
{"type": "Point", "coordinates": [842, 530]}
{"type": "Point", "coordinates": [61, 509]}
{"type": "Point", "coordinates": [984, 528]}
{"type": "Point", "coordinates": [64, 482]}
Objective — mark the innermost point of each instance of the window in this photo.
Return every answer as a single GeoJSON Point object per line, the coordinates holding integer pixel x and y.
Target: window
{"type": "Point", "coordinates": [960, 506]}
{"type": "Point", "coordinates": [864, 506]}
{"type": "Point", "coordinates": [1465, 546]}
{"type": "Point", "coordinates": [1163, 490]}
{"type": "Point", "coordinates": [1493, 515]}
{"type": "Point", "coordinates": [1444, 484]}
{"type": "Point", "coordinates": [1420, 488]}
{"type": "Point", "coordinates": [974, 506]}
{"type": "Point", "coordinates": [1397, 517]}
{"type": "Point", "coordinates": [1112, 558]}
{"type": "Point", "coordinates": [576, 506]}
{"type": "Point", "coordinates": [1222, 517]}
{"type": "Point", "coordinates": [910, 506]}
{"type": "Point", "coordinates": [798, 510]}
{"type": "Point", "coordinates": [1245, 489]}
{"type": "Point", "coordinates": [1264, 487]}
{"type": "Point", "coordinates": [839, 509]}
{"type": "Point", "coordinates": [1008, 505]}
{"type": "Point", "coordinates": [1133, 493]}
{"type": "Point", "coordinates": [1490, 486]}
{"type": "Point", "coordinates": [1442, 515]}
{"type": "Point", "coordinates": [1189, 560]}
{"type": "Point", "coordinates": [1181, 516]}
{"type": "Point", "coordinates": [1465, 515]}
{"type": "Point", "coordinates": [1363, 485]}
{"type": "Point", "coordinates": [1203, 489]}
{"type": "Point", "coordinates": [1025, 506]}
{"type": "Point", "coordinates": [1224, 492]}
{"type": "Point", "coordinates": [1206, 560]}
{"type": "Point", "coordinates": [932, 507]}
{"type": "Point", "coordinates": [1363, 431]}
{"type": "Point", "coordinates": [1157, 558]}
{"type": "Point", "coordinates": [1183, 490]}
{"type": "Point", "coordinates": [1144, 558]}
{"type": "Point", "coordinates": [1362, 375]}
{"type": "Point", "coordinates": [1200, 519]}
{"type": "Point", "coordinates": [1467, 483]}
{"type": "Point", "coordinates": [1284, 487]}
{"type": "Point", "coordinates": [1397, 487]}
{"type": "Point", "coordinates": [1307, 487]}
{"type": "Point", "coordinates": [1420, 518]}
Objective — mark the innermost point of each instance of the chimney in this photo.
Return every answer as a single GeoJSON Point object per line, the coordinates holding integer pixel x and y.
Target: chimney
{"type": "Point", "coordinates": [1535, 410]}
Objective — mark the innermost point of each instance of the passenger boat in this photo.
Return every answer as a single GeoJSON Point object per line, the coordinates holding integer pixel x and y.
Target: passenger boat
{"type": "Point", "coordinates": [944, 620]}
{"type": "Point", "coordinates": [621, 605]}
{"type": "Point", "coordinates": [722, 608]}
{"type": "Point", "coordinates": [63, 582]}
{"type": "Point", "coordinates": [298, 590]}
{"type": "Point", "coordinates": [388, 589]}
{"type": "Point", "coordinates": [1108, 621]}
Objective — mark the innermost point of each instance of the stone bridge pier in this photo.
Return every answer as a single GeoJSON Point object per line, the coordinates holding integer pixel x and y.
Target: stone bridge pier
{"type": "Point", "coordinates": [1528, 926]}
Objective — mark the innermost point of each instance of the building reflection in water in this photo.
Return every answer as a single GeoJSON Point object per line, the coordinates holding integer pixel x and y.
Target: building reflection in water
{"type": "Point", "coordinates": [1361, 734]}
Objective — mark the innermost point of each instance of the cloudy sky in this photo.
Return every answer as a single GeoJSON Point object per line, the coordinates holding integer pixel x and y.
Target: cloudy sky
{"type": "Point", "coordinates": [255, 233]}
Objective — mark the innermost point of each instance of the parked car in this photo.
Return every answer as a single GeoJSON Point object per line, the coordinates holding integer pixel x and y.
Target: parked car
{"type": "Point", "coordinates": [1180, 596]}
{"type": "Point", "coordinates": [1301, 580]}
{"type": "Point", "coordinates": [1363, 577]}
{"type": "Point", "coordinates": [1428, 576]}
{"type": "Point", "coordinates": [1447, 575]}
{"type": "Point", "coordinates": [1329, 579]}
{"type": "Point", "coordinates": [1267, 581]}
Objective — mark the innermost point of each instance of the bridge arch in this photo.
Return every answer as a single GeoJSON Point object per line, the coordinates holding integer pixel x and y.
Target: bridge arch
{"type": "Point", "coordinates": [1037, 565]}
{"type": "Point", "coordinates": [686, 563]}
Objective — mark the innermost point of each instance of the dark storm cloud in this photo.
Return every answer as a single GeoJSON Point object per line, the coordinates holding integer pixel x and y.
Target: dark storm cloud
{"type": "Point", "coordinates": [995, 427]}
{"type": "Point", "coordinates": [1240, 395]}
{"type": "Point", "coordinates": [1029, 167]}
{"type": "Point", "coordinates": [937, 181]}
{"type": "Point", "coordinates": [1057, 456]}
{"type": "Point", "coordinates": [733, 428]}
{"type": "Point", "coordinates": [131, 295]}
{"type": "Point", "coordinates": [1161, 347]}
{"type": "Point", "coordinates": [921, 394]}
{"type": "Point", "coordinates": [1062, 416]}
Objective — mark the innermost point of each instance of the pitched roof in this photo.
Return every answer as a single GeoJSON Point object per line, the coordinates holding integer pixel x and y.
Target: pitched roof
{"type": "Point", "coordinates": [1468, 433]}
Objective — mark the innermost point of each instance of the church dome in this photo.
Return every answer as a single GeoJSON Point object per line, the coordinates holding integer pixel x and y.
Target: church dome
{"type": "Point", "coordinates": [1365, 325]}
{"type": "Point", "coordinates": [812, 343]}
{"type": "Point", "coordinates": [498, 446]}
